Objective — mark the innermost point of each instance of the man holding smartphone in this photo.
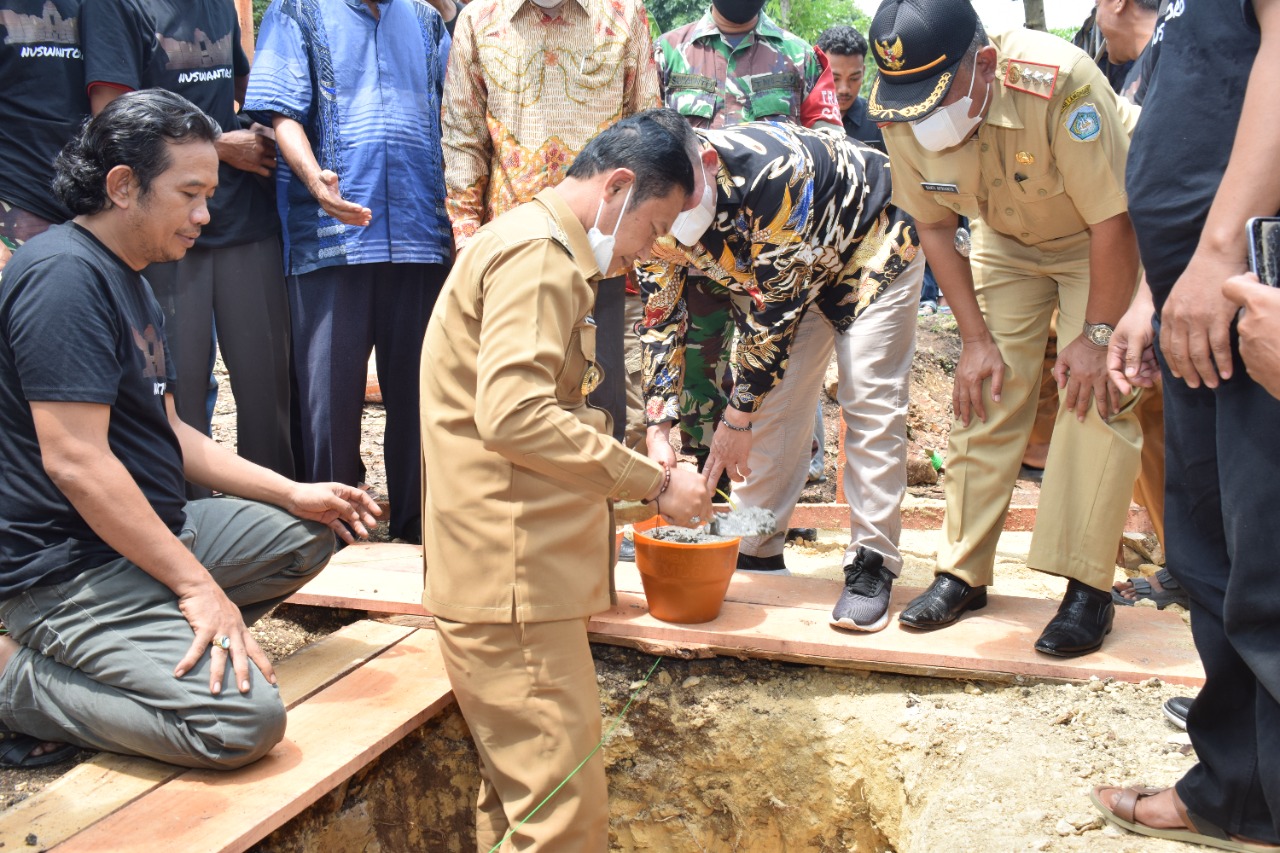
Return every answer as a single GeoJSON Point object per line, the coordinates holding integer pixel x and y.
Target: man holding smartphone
{"type": "Point", "coordinates": [1193, 186]}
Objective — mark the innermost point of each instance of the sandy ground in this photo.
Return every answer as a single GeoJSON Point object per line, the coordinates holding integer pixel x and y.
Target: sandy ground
{"type": "Point", "coordinates": [726, 755]}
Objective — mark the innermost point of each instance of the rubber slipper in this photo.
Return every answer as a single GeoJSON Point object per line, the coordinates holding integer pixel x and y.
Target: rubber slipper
{"type": "Point", "coordinates": [16, 749]}
{"type": "Point", "coordinates": [1196, 830]}
{"type": "Point", "coordinates": [1172, 592]}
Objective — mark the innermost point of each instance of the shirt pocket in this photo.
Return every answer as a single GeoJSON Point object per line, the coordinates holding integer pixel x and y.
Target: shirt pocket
{"type": "Point", "coordinates": [772, 95]}
{"type": "Point", "coordinates": [961, 204]}
{"type": "Point", "coordinates": [580, 374]}
{"type": "Point", "coordinates": [1044, 209]}
{"type": "Point", "coordinates": [692, 95]}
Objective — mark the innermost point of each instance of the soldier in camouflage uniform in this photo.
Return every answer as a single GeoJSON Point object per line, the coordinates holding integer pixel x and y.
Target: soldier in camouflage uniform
{"type": "Point", "coordinates": [733, 65]}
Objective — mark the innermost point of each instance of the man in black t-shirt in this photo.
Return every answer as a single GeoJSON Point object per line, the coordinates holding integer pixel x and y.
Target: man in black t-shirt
{"type": "Point", "coordinates": [235, 275]}
{"type": "Point", "coordinates": [106, 572]}
{"type": "Point", "coordinates": [1193, 185]}
{"type": "Point", "coordinates": [42, 102]}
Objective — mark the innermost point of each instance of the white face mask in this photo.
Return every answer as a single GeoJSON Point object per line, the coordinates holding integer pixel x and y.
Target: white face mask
{"type": "Point", "coordinates": [690, 225]}
{"type": "Point", "coordinates": [947, 127]}
{"type": "Point", "coordinates": [602, 246]}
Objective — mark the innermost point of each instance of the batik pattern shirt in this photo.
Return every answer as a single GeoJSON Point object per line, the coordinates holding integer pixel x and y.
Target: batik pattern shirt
{"type": "Point", "coordinates": [528, 88]}
{"type": "Point", "coordinates": [769, 74]}
{"type": "Point", "coordinates": [803, 221]}
{"type": "Point", "coordinates": [367, 90]}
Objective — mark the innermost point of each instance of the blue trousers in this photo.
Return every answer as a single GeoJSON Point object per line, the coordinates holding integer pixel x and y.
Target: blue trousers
{"type": "Point", "coordinates": [1222, 486]}
{"type": "Point", "coordinates": [339, 314]}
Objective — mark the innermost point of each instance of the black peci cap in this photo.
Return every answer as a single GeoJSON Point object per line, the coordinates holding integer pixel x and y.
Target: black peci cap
{"type": "Point", "coordinates": [917, 45]}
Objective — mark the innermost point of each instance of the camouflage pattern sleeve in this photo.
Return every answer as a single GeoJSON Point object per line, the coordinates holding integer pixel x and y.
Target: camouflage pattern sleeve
{"type": "Point", "coordinates": [468, 150]}
{"type": "Point", "coordinates": [662, 338]}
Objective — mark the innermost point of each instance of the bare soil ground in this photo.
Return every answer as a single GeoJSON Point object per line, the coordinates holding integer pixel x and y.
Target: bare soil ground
{"type": "Point", "coordinates": [762, 756]}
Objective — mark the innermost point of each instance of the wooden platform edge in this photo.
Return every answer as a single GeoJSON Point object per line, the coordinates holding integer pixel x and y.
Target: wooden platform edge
{"type": "Point", "coordinates": [94, 789]}
{"type": "Point", "coordinates": [250, 803]}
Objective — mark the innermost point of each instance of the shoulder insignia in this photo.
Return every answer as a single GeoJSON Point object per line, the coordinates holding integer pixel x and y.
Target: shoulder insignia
{"type": "Point", "coordinates": [1034, 78]}
{"type": "Point", "coordinates": [1083, 123]}
{"type": "Point", "coordinates": [1073, 97]}
{"type": "Point", "coordinates": [557, 234]}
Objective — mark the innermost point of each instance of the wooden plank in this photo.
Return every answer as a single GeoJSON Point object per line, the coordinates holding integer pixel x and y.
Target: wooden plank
{"type": "Point", "coordinates": [331, 735]}
{"type": "Point", "coordinates": [92, 790]}
{"type": "Point", "coordinates": [786, 619]}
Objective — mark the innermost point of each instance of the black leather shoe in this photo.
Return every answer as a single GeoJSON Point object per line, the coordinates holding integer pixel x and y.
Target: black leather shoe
{"type": "Point", "coordinates": [942, 603]}
{"type": "Point", "coordinates": [1084, 617]}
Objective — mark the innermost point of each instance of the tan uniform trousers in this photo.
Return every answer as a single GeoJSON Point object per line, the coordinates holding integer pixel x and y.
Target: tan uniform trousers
{"type": "Point", "coordinates": [528, 692]}
{"type": "Point", "coordinates": [1089, 475]}
{"type": "Point", "coordinates": [1148, 491]}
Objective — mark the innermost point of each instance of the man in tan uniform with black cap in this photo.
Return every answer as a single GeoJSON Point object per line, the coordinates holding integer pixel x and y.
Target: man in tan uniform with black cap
{"type": "Point", "coordinates": [1022, 134]}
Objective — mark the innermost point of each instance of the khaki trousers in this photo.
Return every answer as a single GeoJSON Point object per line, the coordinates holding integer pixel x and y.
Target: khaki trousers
{"type": "Point", "coordinates": [1089, 475]}
{"type": "Point", "coordinates": [528, 692]}
{"type": "Point", "coordinates": [873, 358]}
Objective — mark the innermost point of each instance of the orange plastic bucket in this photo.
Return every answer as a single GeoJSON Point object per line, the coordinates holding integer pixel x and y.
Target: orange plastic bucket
{"type": "Point", "coordinates": [683, 582]}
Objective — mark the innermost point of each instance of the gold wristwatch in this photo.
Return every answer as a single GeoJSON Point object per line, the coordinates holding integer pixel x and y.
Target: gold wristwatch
{"type": "Point", "coordinates": [1098, 334]}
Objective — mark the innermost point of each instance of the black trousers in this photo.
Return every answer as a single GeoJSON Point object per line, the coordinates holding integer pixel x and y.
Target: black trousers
{"type": "Point", "coordinates": [1222, 495]}
{"type": "Point", "coordinates": [339, 314]}
{"type": "Point", "coordinates": [243, 289]}
{"type": "Point", "coordinates": [611, 395]}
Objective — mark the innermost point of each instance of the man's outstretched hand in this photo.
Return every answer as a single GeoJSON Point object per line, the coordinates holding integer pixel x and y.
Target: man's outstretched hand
{"type": "Point", "coordinates": [344, 508]}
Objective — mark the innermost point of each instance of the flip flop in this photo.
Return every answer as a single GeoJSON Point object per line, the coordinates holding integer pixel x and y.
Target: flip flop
{"type": "Point", "coordinates": [1195, 830]}
{"type": "Point", "coordinates": [1172, 592]}
{"type": "Point", "coordinates": [16, 749]}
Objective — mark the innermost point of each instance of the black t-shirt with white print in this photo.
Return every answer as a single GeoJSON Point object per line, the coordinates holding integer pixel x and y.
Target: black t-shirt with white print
{"type": "Point", "coordinates": [42, 98]}
{"type": "Point", "coordinates": [191, 47]}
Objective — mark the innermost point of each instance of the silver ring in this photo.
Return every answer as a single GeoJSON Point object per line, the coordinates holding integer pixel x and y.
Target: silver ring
{"type": "Point", "coordinates": [223, 642]}
{"type": "Point", "coordinates": [695, 519]}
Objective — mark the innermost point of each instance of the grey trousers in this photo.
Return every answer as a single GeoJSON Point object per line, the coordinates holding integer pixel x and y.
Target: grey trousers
{"type": "Point", "coordinates": [95, 667]}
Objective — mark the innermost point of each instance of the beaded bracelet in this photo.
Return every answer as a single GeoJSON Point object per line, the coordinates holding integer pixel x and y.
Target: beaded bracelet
{"type": "Point", "coordinates": [746, 428]}
{"type": "Point", "coordinates": [666, 481]}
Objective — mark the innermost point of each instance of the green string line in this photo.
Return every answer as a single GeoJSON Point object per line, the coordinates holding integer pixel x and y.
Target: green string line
{"type": "Point", "coordinates": [616, 722]}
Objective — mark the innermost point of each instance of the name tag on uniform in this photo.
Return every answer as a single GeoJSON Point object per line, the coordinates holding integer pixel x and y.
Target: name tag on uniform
{"type": "Point", "coordinates": [940, 188]}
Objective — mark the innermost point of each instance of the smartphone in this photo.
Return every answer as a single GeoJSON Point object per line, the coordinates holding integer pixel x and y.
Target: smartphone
{"type": "Point", "coordinates": [1264, 248]}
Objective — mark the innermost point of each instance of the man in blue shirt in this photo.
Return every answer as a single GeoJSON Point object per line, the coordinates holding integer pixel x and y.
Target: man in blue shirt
{"type": "Point", "coordinates": [353, 91]}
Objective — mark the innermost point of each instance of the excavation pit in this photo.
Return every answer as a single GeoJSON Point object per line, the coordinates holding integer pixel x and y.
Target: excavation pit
{"type": "Point", "coordinates": [747, 755]}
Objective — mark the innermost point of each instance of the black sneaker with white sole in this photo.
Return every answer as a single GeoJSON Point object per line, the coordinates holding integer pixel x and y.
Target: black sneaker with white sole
{"type": "Point", "coordinates": [1175, 710]}
{"type": "Point", "coordinates": [864, 603]}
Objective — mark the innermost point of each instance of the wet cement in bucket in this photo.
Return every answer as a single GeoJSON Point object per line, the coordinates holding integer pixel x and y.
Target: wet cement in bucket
{"type": "Point", "coordinates": [751, 521]}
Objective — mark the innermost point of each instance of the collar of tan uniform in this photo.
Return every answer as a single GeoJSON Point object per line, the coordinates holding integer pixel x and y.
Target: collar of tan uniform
{"type": "Point", "coordinates": [573, 234]}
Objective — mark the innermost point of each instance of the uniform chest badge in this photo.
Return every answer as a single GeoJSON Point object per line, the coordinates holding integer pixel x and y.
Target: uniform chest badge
{"type": "Point", "coordinates": [1025, 158]}
{"type": "Point", "coordinates": [591, 378]}
{"type": "Point", "coordinates": [1083, 123]}
{"type": "Point", "coordinates": [1034, 78]}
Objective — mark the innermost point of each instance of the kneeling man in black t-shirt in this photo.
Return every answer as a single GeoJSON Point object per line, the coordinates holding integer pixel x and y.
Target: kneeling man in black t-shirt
{"type": "Point", "coordinates": [112, 586]}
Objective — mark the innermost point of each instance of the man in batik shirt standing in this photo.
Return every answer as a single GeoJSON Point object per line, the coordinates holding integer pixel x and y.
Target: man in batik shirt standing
{"type": "Point", "coordinates": [798, 229]}
{"type": "Point", "coordinates": [733, 65]}
{"type": "Point", "coordinates": [529, 83]}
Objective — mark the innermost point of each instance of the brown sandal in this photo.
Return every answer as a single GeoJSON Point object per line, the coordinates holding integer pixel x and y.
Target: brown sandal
{"type": "Point", "coordinates": [1195, 829]}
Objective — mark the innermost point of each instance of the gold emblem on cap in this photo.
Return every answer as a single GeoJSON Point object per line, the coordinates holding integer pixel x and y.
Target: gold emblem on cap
{"type": "Point", "coordinates": [1025, 158]}
{"type": "Point", "coordinates": [891, 52]}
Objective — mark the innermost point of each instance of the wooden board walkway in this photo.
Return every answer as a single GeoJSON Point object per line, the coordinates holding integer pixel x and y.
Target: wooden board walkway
{"type": "Point", "coordinates": [786, 619]}
{"type": "Point", "coordinates": [391, 676]}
